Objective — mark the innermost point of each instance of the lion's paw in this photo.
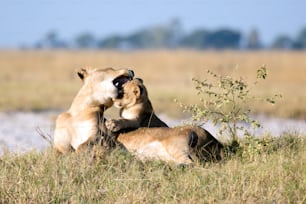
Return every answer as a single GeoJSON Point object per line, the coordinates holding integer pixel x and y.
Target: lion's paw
{"type": "Point", "coordinates": [113, 125]}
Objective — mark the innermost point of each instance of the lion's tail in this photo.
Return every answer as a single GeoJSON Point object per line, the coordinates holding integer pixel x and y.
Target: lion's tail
{"type": "Point", "coordinates": [193, 139]}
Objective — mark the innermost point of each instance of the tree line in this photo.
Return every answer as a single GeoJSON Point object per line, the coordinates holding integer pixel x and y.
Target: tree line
{"type": "Point", "coordinates": [171, 36]}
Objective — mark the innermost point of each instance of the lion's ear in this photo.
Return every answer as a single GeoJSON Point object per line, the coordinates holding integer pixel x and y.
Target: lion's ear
{"type": "Point", "coordinates": [82, 73]}
{"type": "Point", "coordinates": [137, 91]}
{"type": "Point", "coordinates": [140, 80]}
{"type": "Point", "coordinates": [140, 87]}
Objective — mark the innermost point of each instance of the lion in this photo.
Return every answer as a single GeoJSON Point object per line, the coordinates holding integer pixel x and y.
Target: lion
{"type": "Point", "coordinates": [79, 125]}
{"type": "Point", "coordinates": [181, 145]}
{"type": "Point", "coordinates": [155, 139]}
{"type": "Point", "coordinates": [136, 109]}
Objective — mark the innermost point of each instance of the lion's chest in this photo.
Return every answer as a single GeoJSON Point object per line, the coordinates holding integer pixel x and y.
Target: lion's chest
{"type": "Point", "coordinates": [84, 131]}
{"type": "Point", "coordinates": [130, 115]}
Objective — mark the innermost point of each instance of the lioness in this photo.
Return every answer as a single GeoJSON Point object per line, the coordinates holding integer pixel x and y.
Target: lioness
{"type": "Point", "coordinates": [79, 125]}
{"type": "Point", "coordinates": [169, 144]}
{"type": "Point", "coordinates": [179, 145]}
{"type": "Point", "coordinates": [136, 109]}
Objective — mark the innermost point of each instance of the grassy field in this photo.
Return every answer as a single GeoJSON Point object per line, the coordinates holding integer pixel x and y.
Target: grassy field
{"type": "Point", "coordinates": [262, 171]}
{"type": "Point", "coordinates": [37, 80]}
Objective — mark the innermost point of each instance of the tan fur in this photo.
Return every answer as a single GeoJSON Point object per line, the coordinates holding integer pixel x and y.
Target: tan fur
{"type": "Point", "coordinates": [179, 145]}
{"type": "Point", "coordinates": [79, 125]}
{"type": "Point", "coordinates": [136, 109]}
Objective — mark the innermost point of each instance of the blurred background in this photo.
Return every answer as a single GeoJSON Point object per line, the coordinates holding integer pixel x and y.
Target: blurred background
{"type": "Point", "coordinates": [135, 24]}
{"type": "Point", "coordinates": [167, 43]}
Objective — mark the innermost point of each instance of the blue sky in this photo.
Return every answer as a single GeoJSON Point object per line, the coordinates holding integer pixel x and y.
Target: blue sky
{"type": "Point", "coordinates": [27, 21]}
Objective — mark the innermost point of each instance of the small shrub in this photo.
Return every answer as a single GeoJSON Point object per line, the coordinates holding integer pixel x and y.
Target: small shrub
{"type": "Point", "coordinates": [251, 147]}
{"type": "Point", "coordinates": [222, 101]}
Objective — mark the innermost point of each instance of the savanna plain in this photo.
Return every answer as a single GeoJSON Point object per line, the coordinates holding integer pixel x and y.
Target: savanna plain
{"type": "Point", "coordinates": [262, 170]}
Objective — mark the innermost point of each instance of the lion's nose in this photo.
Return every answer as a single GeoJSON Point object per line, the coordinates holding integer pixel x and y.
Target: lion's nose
{"type": "Point", "coordinates": [120, 94]}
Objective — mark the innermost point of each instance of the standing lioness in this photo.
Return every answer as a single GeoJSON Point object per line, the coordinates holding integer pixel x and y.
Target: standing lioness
{"type": "Point", "coordinates": [79, 125]}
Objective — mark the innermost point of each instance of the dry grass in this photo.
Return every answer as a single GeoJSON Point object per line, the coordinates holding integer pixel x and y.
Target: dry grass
{"type": "Point", "coordinates": [35, 80]}
{"type": "Point", "coordinates": [262, 171]}
{"type": "Point", "coordinates": [276, 174]}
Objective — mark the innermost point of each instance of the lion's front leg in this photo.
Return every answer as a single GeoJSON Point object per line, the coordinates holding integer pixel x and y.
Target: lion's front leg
{"type": "Point", "coordinates": [116, 125]}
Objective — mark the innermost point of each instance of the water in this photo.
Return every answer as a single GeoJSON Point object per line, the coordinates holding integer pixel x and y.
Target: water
{"type": "Point", "coordinates": [19, 131]}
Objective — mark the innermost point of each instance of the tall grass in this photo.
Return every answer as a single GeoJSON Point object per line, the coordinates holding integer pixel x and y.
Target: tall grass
{"type": "Point", "coordinates": [261, 170]}
{"type": "Point", "coordinates": [35, 80]}
{"type": "Point", "coordinates": [276, 174]}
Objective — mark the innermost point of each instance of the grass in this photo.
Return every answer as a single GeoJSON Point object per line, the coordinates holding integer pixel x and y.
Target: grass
{"type": "Point", "coordinates": [275, 174]}
{"type": "Point", "coordinates": [262, 170]}
{"type": "Point", "coordinates": [37, 80]}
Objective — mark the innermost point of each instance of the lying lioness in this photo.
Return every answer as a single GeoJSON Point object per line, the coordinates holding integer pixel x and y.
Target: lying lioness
{"type": "Point", "coordinates": [180, 145]}
{"type": "Point", "coordinates": [79, 125]}
{"type": "Point", "coordinates": [169, 144]}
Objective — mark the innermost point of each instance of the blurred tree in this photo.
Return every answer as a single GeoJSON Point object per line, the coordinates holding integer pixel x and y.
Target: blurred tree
{"type": "Point", "coordinates": [197, 39]}
{"type": "Point", "coordinates": [164, 36]}
{"type": "Point", "coordinates": [253, 40]}
{"type": "Point", "coordinates": [175, 33]}
{"type": "Point", "coordinates": [113, 42]}
{"type": "Point", "coordinates": [282, 42]}
{"type": "Point", "coordinates": [51, 41]}
{"type": "Point", "coordinates": [85, 40]}
{"type": "Point", "coordinates": [220, 39]}
{"type": "Point", "coordinates": [156, 37]}
{"type": "Point", "coordinates": [300, 42]}
{"type": "Point", "coordinates": [51, 37]}
{"type": "Point", "coordinates": [171, 35]}
{"type": "Point", "coordinates": [141, 39]}
{"type": "Point", "coordinates": [224, 38]}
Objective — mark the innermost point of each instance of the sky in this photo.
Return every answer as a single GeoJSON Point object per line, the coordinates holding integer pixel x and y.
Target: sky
{"type": "Point", "coordinates": [24, 22]}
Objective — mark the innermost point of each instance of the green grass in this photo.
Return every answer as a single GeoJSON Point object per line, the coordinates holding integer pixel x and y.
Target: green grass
{"type": "Point", "coordinates": [263, 170]}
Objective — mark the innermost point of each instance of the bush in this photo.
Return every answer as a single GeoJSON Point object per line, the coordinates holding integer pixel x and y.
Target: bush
{"type": "Point", "coordinates": [222, 101]}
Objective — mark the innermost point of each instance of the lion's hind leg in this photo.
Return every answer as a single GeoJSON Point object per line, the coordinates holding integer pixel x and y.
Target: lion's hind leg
{"type": "Point", "coordinates": [179, 147]}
